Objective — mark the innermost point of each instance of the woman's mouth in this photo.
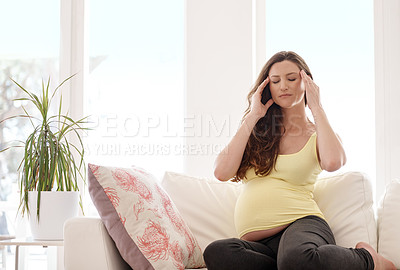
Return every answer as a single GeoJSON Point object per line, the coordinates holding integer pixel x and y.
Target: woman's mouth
{"type": "Point", "coordinates": [285, 95]}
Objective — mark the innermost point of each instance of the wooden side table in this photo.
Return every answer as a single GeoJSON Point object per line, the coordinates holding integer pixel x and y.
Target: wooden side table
{"type": "Point", "coordinates": [28, 242]}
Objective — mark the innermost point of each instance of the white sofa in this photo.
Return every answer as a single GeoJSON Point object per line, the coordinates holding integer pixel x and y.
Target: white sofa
{"type": "Point", "coordinates": [207, 207]}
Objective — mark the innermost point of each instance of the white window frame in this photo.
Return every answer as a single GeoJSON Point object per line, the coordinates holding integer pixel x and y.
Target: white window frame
{"type": "Point", "coordinates": [387, 94]}
{"type": "Point", "coordinates": [73, 58]}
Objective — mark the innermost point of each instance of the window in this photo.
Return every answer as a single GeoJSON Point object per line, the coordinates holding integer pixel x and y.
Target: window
{"type": "Point", "coordinates": [135, 88]}
{"type": "Point", "coordinates": [336, 39]}
{"type": "Point", "coordinates": [29, 53]}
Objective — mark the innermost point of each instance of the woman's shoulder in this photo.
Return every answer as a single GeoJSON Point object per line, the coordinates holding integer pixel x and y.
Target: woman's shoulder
{"type": "Point", "coordinates": [310, 129]}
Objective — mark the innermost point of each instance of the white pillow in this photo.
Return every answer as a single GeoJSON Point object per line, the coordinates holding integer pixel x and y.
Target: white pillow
{"type": "Point", "coordinates": [207, 205]}
{"type": "Point", "coordinates": [346, 201]}
{"type": "Point", "coordinates": [388, 223]}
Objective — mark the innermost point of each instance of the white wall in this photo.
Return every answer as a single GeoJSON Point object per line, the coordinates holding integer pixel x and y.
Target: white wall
{"type": "Point", "coordinates": [387, 70]}
{"type": "Point", "coordinates": [221, 61]}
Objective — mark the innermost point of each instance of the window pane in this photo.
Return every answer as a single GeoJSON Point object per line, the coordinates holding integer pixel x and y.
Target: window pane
{"type": "Point", "coordinates": [29, 52]}
{"type": "Point", "coordinates": [336, 39]}
{"type": "Point", "coordinates": [135, 88]}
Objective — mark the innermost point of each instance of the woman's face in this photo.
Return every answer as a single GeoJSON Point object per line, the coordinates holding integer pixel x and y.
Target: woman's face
{"type": "Point", "coordinates": [287, 89]}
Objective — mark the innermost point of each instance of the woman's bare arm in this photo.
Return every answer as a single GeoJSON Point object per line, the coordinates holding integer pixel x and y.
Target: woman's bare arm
{"type": "Point", "coordinates": [228, 161]}
{"type": "Point", "coordinates": [330, 149]}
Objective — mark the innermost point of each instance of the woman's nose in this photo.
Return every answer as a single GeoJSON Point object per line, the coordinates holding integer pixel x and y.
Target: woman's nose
{"type": "Point", "coordinates": [283, 85]}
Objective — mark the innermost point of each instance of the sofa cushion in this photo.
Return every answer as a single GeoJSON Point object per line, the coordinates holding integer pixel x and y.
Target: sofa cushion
{"type": "Point", "coordinates": [388, 220]}
{"type": "Point", "coordinates": [144, 223]}
{"type": "Point", "coordinates": [346, 201]}
{"type": "Point", "coordinates": [207, 205]}
{"type": "Point", "coordinates": [88, 245]}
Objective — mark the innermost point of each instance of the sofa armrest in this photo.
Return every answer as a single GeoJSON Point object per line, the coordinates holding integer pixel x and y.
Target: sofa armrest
{"type": "Point", "coordinates": [87, 245]}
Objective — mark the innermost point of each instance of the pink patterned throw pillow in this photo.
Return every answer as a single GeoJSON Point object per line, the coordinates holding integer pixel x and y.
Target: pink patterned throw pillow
{"type": "Point", "coordinates": [142, 220]}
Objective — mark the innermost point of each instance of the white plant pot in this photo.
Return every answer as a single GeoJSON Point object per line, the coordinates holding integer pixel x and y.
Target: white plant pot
{"type": "Point", "coordinates": [55, 208]}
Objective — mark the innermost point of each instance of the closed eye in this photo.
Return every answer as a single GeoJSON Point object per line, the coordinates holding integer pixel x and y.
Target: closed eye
{"type": "Point", "coordinates": [275, 82]}
{"type": "Point", "coordinates": [292, 80]}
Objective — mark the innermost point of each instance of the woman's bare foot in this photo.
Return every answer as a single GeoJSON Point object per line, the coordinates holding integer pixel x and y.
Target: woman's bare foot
{"type": "Point", "coordinates": [380, 262]}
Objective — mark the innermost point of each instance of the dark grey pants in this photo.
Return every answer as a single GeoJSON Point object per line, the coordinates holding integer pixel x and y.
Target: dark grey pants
{"type": "Point", "coordinates": [307, 243]}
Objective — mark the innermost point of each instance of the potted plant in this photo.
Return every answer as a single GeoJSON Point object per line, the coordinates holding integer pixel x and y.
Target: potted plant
{"type": "Point", "coordinates": [51, 165]}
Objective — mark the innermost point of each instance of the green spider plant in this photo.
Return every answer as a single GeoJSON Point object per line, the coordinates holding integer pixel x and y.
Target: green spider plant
{"type": "Point", "coordinates": [50, 162]}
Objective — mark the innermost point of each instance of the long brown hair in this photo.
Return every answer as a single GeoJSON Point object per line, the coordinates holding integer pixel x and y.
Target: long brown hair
{"type": "Point", "coordinates": [262, 148]}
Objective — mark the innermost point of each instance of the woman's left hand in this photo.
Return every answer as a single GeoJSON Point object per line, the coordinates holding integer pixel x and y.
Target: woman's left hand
{"type": "Point", "coordinates": [312, 91]}
{"type": "Point", "coordinates": [330, 148]}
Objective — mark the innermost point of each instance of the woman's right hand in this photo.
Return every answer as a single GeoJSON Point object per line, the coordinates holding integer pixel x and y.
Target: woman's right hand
{"type": "Point", "coordinates": [258, 109]}
{"type": "Point", "coordinates": [228, 161]}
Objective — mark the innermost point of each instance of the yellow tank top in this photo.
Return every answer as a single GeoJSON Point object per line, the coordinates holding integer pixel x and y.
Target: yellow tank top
{"type": "Point", "coordinates": [281, 197]}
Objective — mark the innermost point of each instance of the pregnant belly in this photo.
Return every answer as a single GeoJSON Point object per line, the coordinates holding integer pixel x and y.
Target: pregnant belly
{"type": "Point", "coordinates": [265, 208]}
{"type": "Point", "coordinates": [258, 235]}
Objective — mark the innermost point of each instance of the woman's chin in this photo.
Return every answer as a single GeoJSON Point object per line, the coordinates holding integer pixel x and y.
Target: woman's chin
{"type": "Point", "coordinates": [290, 105]}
